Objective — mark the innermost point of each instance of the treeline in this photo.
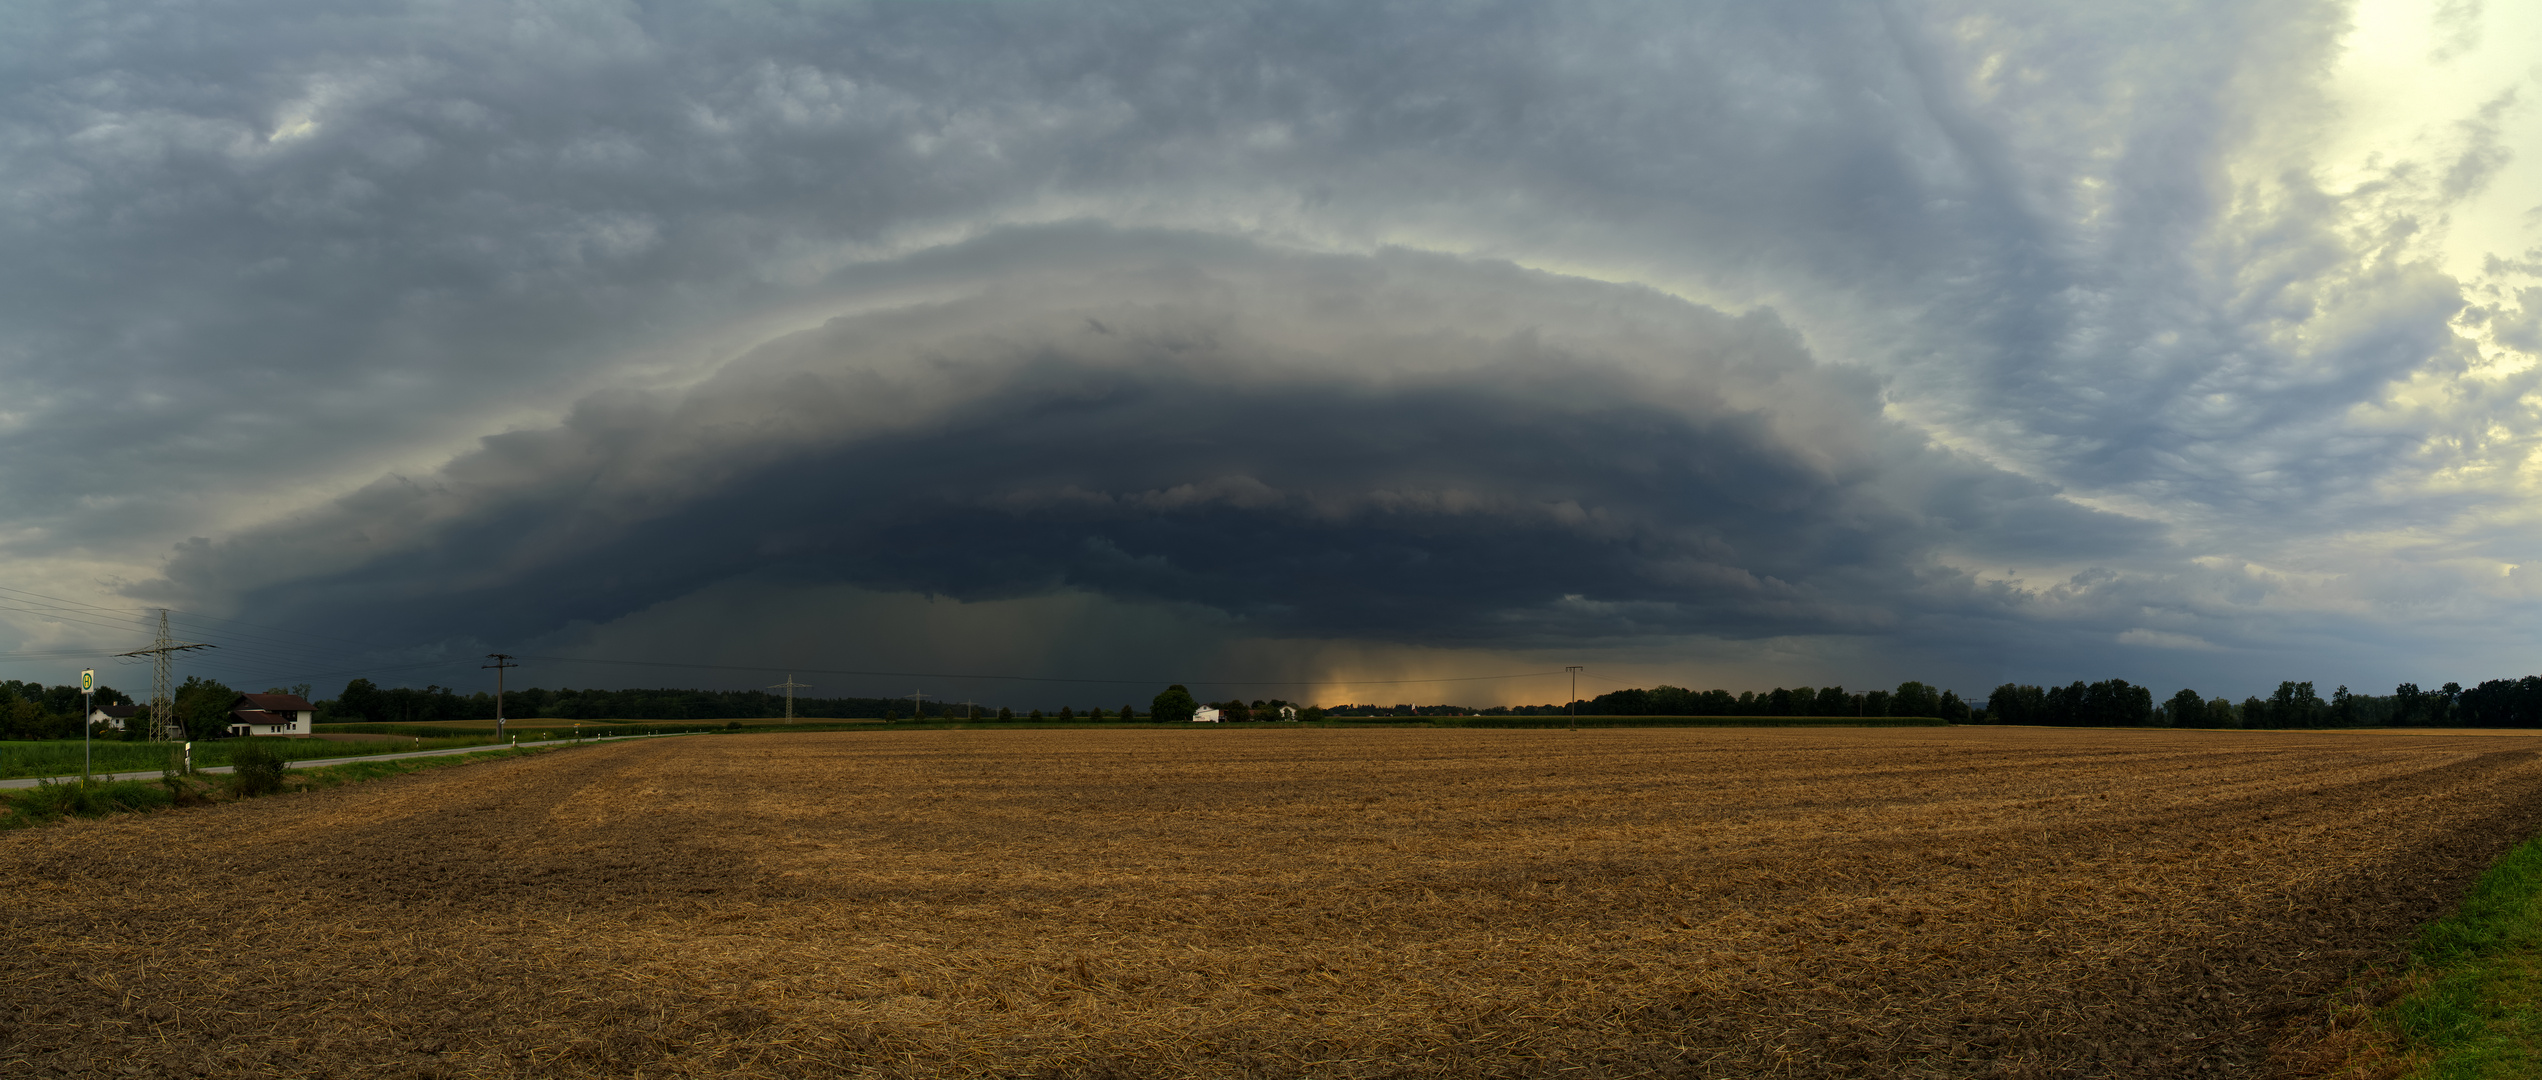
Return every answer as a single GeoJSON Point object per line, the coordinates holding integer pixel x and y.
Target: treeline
{"type": "Point", "coordinates": [31, 710]}
{"type": "Point", "coordinates": [1909, 699]}
{"type": "Point", "coordinates": [2496, 703]}
{"type": "Point", "coordinates": [363, 702]}
{"type": "Point", "coordinates": [36, 711]}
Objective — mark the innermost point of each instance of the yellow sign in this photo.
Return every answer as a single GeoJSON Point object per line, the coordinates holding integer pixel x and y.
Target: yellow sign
{"type": "Point", "coordinates": [87, 680]}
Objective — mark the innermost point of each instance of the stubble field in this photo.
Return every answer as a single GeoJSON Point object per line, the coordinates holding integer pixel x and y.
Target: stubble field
{"type": "Point", "coordinates": [1262, 902]}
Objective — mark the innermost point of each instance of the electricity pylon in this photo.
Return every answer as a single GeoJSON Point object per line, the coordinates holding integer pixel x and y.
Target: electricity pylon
{"type": "Point", "coordinates": [163, 713]}
{"type": "Point", "coordinates": [789, 686]}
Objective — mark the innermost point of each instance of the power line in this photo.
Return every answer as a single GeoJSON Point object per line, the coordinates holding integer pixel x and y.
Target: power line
{"type": "Point", "coordinates": [1032, 678]}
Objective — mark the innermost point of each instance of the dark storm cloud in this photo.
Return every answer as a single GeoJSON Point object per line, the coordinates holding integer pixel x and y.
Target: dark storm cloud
{"type": "Point", "coordinates": [264, 254]}
{"type": "Point", "coordinates": [1404, 448]}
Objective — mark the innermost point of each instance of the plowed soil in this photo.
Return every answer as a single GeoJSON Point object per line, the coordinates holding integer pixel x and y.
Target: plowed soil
{"type": "Point", "coordinates": [1261, 902]}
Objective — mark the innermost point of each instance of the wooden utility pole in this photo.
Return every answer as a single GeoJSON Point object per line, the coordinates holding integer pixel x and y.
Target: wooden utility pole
{"type": "Point", "coordinates": [1575, 694]}
{"type": "Point", "coordinates": [501, 661]}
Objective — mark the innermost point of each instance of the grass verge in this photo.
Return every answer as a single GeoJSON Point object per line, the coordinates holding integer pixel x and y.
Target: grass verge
{"type": "Point", "coordinates": [2468, 1003]}
{"type": "Point", "coordinates": [53, 801]}
{"type": "Point", "coordinates": [61, 757]}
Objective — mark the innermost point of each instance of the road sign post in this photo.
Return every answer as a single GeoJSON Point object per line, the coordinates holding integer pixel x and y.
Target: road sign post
{"type": "Point", "coordinates": [87, 709]}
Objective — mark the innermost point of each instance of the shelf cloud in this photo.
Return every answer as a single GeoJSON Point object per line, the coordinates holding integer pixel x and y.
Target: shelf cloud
{"type": "Point", "coordinates": [1706, 342]}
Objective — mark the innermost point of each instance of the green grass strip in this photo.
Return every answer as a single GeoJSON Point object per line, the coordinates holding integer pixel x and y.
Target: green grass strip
{"type": "Point", "coordinates": [50, 802]}
{"type": "Point", "coordinates": [2477, 1011]}
{"type": "Point", "coordinates": [61, 757]}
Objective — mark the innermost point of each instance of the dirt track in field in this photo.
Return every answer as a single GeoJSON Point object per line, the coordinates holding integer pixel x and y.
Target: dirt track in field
{"type": "Point", "coordinates": [1261, 902]}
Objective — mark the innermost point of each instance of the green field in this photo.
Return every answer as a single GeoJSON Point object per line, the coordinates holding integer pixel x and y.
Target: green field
{"type": "Point", "coordinates": [61, 757]}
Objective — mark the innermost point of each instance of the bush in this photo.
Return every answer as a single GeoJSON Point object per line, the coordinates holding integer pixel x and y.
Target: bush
{"type": "Point", "coordinates": [52, 801]}
{"type": "Point", "coordinates": [256, 768]}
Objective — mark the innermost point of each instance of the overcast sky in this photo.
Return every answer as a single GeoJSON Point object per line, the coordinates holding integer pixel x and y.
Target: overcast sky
{"type": "Point", "coordinates": [1281, 349]}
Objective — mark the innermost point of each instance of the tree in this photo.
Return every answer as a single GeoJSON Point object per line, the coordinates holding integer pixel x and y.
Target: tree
{"type": "Point", "coordinates": [1005, 714]}
{"type": "Point", "coordinates": [2185, 709]}
{"type": "Point", "coordinates": [2220, 714]}
{"type": "Point", "coordinates": [1066, 713]}
{"type": "Point", "coordinates": [22, 718]}
{"type": "Point", "coordinates": [2115, 703]}
{"type": "Point", "coordinates": [359, 703]}
{"type": "Point", "coordinates": [2015, 704]}
{"type": "Point", "coordinates": [1128, 714]}
{"type": "Point", "coordinates": [2407, 700]}
{"type": "Point", "coordinates": [2295, 706]}
{"type": "Point", "coordinates": [1914, 699]}
{"type": "Point", "coordinates": [1953, 709]}
{"type": "Point", "coordinates": [1832, 701]}
{"type": "Point", "coordinates": [202, 705]}
{"type": "Point", "coordinates": [1175, 705]}
{"type": "Point", "coordinates": [1095, 714]}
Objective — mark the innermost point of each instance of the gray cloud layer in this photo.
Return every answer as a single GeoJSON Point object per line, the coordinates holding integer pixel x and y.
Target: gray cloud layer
{"type": "Point", "coordinates": [2055, 341]}
{"type": "Point", "coordinates": [1403, 447]}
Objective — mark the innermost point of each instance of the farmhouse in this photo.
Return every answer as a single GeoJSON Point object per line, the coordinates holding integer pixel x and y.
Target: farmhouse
{"type": "Point", "coordinates": [272, 714]}
{"type": "Point", "coordinates": [113, 717]}
{"type": "Point", "coordinates": [1208, 714]}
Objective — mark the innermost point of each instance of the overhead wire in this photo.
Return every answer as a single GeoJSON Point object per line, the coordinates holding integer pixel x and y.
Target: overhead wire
{"type": "Point", "coordinates": [980, 677]}
{"type": "Point", "coordinates": [267, 655]}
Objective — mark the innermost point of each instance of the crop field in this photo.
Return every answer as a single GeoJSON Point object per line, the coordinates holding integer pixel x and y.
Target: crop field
{"type": "Point", "coordinates": [1265, 902]}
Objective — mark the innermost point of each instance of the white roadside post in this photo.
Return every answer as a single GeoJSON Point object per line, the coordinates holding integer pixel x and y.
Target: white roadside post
{"type": "Point", "coordinates": [88, 708]}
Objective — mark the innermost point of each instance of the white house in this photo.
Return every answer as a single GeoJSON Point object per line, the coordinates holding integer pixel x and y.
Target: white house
{"type": "Point", "coordinates": [113, 717]}
{"type": "Point", "coordinates": [1208, 714]}
{"type": "Point", "coordinates": [1288, 712]}
{"type": "Point", "coordinates": [272, 714]}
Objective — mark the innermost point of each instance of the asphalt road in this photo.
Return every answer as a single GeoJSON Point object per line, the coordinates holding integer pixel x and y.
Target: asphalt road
{"type": "Point", "coordinates": [153, 774]}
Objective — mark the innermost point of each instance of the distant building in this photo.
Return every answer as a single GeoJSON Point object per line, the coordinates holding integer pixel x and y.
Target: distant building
{"type": "Point", "coordinates": [114, 716]}
{"type": "Point", "coordinates": [1288, 712]}
{"type": "Point", "coordinates": [272, 714]}
{"type": "Point", "coordinates": [1208, 714]}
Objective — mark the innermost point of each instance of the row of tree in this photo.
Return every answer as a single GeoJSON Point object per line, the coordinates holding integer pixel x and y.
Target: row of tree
{"type": "Point", "coordinates": [32, 710]}
{"type": "Point", "coordinates": [362, 701]}
{"type": "Point", "coordinates": [37, 711]}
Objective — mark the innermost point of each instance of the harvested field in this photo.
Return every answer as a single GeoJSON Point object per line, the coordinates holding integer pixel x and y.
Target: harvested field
{"type": "Point", "coordinates": [1403, 902]}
